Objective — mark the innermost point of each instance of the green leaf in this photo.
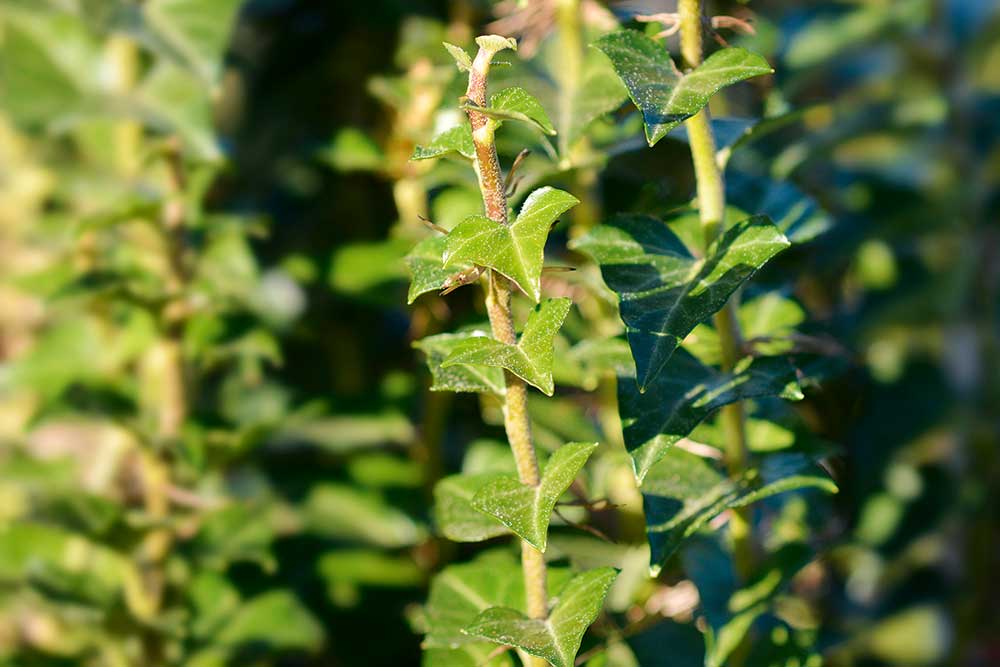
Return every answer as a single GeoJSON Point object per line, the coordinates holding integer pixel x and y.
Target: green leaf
{"type": "Point", "coordinates": [495, 43]}
{"type": "Point", "coordinates": [527, 509]}
{"type": "Point", "coordinates": [470, 655]}
{"type": "Point", "coordinates": [664, 290]}
{"type": "Point", "coordinates": [664, 95]}
{"type": "Point", "coordinates": [456, 140]}
{"type": "Point", "coordinates": [194, 33]}
{"type": "Point", "coordinates": [683, 492]}
{"type": "Point", "coordinates": [460, 592]}
{"type": "Point", "coordinates": [276, 619]}
{"type": "Point", "coordinates": [427, 270]}
{"type": "Point", "coordinates": [461, 56]}
{"type": "Point", "coordinates": [600, 93]}
{"type": "Point", "coordinates": [517, 104]}
{"type": "Point", "coordinates": [454, 513]}
{"type": "Point", "coordinates": [515, 250]}
{"type": "Point", "coordinates": [340, 511]}
{"type": "Point", "coordinates": [530, 359]}
{"type": "Point", "coordinates": [473, 378]}
{"type": "Point", "coordinates": [687, 392]}
{"type": "Point", "coordinates": [357, 268]}
{"type": "Point", "coordinates": [729, 609]}
{"type": "Point", "coordinates": [795, 213]}
{"type": "Point", "coordinates": [556, 638]}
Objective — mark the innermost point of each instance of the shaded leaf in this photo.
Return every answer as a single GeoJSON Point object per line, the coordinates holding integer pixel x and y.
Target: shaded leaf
{"type": "Point", "coordinates": [664, 95]}
{"type": "Point", "coordinates": [276, 619]}
{"type": "Point", "coordinates": [683, 492]}
{"type": "Point", "coordinates": [687, 392]}
{"type": "Point", "coordinates": [341, 511]}
{"type": "Point", "coordinates": [527, 509]}
{"type": "Point", "coordinates": [556, 638]}
{"type": "Point", "coordinates": [515, 250]}
{"type": "Point", "coordinates": [469, 378]}
{"type": "Point", "coordinates": [664, 290]}
{"type": "Point", "coordinates": [530, 359]}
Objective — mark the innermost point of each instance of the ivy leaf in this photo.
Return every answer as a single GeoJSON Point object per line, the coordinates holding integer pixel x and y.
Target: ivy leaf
{"type": "Point", "coordinates": [794, 212]}
{"type": "Point", "coordinates": [683, 492]}
{"type": "Point", "coordinates": [455, 140]}
{"type": "Point", "coordinates": [427, 270]}
{"type": "Point", "coordinates": [462, 58]}
{"type": "Point", "coordinates": [515, 250]}
{"type": "Point", "coordinates": [664, 290]}
{"type": "Point", "coordinates": [525, 509]}
{"type": "Point", "coordinates": [685, 393]}
{"type": "Point", "coordinates": [516, 103]}
{"type": "Point", "coordinates": [664, 95]}
{"type": "Point", "coordinates": [556, 638]}
{"type": "Point", "coordinates": [459, 593]}
{"type": "Point", "coordinates": [456, 514]}
{"type": "Point", "coordinates": [473, 379]}
{"type": "Point", "coordinates": [470, 655]}
{"type": "Point", "coordinates": [729, 609]}
{"type": "Point", "coordinates": [530, 359]}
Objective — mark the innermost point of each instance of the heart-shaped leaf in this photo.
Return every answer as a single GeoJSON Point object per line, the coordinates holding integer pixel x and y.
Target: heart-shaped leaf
{"type": "Point", "coordinates": [525, 509]}
{"type": "Point", "coordinates": [556, 638]}
{"type": "Point", "coordinates": [664, 95]}
{"type": "Point", "coordinates": [514, 250]}
{"type": "Point", "coordinates": [685, 393]}
{"type": "Point", "coordinates": [516, 103]}
{"type": "Point", "coordinates": [456, 515]}
{"type": "Point", "coordinates": [530, 359]}
{"type": "Point", "coordinates": [473, 379]}
{"type": "Point", "coordinates": [455, 140]}
{"type": "Point", "coordinates": [683, 492]}
{"type": "Point", "coordinates": [664, 290]}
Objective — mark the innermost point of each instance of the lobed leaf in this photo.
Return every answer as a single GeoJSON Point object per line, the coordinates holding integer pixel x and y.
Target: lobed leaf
{"type": "Point", "coordinates": [526, 509]}
{"type": "Point", "coordinates": [530, 359]}
{"type": "Point", "coordinates": [664, 290]}
{"type": "Point", "coordinates": [515, 250]}
{"type": "Point", "coordinates": [556, 638]}
{"type": "Point", "coordinates": [664, 95]}
{"type": "Point", "coordinates": [471, 378]}
{"type": "Point", "coordinates": [683, 492]}
{"type": "Point", "coordinates": [685, 394]}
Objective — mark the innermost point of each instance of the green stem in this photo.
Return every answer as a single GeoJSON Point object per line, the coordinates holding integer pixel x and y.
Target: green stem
{"type": "Point", "coordinates": [515, 409]}
{"type": "Point", "coordinates": [712, 209]}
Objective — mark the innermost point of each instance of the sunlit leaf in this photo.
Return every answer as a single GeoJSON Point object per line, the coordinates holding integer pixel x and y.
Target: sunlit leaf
{"type": "Point", "coordinates": [516, 103]}
{"type": "Point", "coordinates": [455, 140]}
{"type": "Point", "coordinates": [527, 509]}
{"type": "Point", "coordinates": [556, 638]}
{"type": "Point", "coordinates": [664, 95]}
{"type": "Point", "coordinates": [515, 250]}
{"type": "Point", "coordinates": [530, 359]}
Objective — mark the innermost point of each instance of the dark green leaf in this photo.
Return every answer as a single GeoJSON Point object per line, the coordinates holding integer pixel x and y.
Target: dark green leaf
{"type": "Point", "coordinates": [665, 291]}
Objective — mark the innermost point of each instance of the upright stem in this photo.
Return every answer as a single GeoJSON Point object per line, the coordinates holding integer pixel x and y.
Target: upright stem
{"type": "Point", "coordinates": [712, 209]}
{"type": "Point", "coordinates": [515, 410]}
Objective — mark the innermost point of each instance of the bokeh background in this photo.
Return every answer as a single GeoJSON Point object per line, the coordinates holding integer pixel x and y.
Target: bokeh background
{"type": "Point", "coordinates": [216, 443]}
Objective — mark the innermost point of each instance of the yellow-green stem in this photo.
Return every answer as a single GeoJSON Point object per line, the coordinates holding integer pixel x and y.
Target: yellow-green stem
{"type": "Point", "coordinates": [712, 209]}
{"type": "Point", "coordinates": [515, 409]}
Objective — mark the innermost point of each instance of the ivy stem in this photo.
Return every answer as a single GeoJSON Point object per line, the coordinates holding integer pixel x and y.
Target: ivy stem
{"type": "Point", "coordinates": [712, 209]}
{"type": "Point", "coordinates": [498, 296]}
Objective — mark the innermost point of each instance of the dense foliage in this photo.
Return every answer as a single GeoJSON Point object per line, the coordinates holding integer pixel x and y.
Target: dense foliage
{"type": "Point", "coordinates": [612, 336]}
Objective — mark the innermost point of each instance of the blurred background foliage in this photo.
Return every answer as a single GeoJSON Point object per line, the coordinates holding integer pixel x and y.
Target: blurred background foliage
{"type": "Point", "coordinates": [217, 445]}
